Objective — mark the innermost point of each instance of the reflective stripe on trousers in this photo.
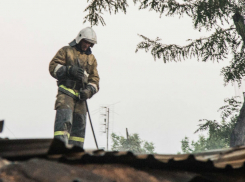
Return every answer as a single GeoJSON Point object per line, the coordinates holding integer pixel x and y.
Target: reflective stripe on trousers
{"type": "Point", "coordinates": [57, 133]}
{"type": "Point", "coordinates": [77, 139]}
{"type": "Point", "coordinates": [74, 138]}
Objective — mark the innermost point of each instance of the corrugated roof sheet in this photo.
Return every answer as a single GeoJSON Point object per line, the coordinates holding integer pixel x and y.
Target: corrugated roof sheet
{"type": "Point", "coordinates": [216, 165]}
{"type": "Point", "coordinates": [27, 148]}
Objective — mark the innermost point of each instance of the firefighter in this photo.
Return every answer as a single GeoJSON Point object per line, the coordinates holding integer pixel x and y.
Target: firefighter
{"type": "Point", "coordinates": [72, 66]}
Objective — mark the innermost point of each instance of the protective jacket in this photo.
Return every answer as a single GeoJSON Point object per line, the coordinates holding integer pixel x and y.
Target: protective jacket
{"type": "Point", "coordinates": [70, 56]}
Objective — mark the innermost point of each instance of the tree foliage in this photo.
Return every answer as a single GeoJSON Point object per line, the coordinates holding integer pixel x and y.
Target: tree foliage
{"type": "Point", "coordinates": [133, 143]}
{"type": "Point", "coordinates": [96, 7]}
{"type": "Point", "coordinates": [210, 15]}
{"type": "Point", "coordinates": [219, 133]}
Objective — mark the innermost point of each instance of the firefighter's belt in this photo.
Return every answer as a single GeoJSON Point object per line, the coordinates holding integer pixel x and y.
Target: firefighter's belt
{"type": "Point", "coordinates": [72, 84]}
{"type": "Point", "coordinates": [69, 92]}
{"type": "Point", "coordinates": [68, 87]}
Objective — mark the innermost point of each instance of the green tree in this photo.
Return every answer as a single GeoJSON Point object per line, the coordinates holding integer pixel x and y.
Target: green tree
{"type": "Point", "coordinates": [133, 143]}
{"type": "Point", "coordinates": [223, 18]}
{"type": "Point", "coordinates": [219, 133]}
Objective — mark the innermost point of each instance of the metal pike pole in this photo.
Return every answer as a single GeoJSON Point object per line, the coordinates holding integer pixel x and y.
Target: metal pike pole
{"type": "Point", "coordinates": [89, 113]}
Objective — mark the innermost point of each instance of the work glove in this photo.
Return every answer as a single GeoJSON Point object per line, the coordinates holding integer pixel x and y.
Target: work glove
{"type": "Point", "coordinates": [75, 72]}
{"type": "Point", "coordinates": [86, 93]}
{"type": "Point", "coordinates": [61, 73]}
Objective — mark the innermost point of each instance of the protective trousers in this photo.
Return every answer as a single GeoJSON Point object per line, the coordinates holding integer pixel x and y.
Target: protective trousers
{"type": "Point", "coordinates": [70, 120]}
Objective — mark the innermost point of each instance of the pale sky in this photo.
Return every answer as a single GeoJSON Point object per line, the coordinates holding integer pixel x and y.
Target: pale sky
{"type": "Point", "coordinates": [161, 102]}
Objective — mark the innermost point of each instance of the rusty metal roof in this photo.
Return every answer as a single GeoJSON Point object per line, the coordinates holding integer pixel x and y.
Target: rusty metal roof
{"type": "Point", "coordinates": [27, 148]}
{"type": "Point", "coordinates": [216, 165]}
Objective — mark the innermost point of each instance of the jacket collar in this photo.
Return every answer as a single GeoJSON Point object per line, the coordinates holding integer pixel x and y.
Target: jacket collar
{"type": "Point", "coordinates": [75, 45]}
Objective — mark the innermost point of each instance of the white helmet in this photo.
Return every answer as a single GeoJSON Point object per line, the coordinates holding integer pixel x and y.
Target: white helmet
{"type": "Point", "coordinates": [88, 34]}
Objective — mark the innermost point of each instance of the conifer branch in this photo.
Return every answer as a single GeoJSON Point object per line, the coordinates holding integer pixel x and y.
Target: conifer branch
{"type": "Point", "coordinates": [236, 70]}
{"type": "Point", "coordinates": [204, 13]}
{"type": "Point", "coordinates": [214, 47]}
{"type": "Point", "coordinates": [96, 7]}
